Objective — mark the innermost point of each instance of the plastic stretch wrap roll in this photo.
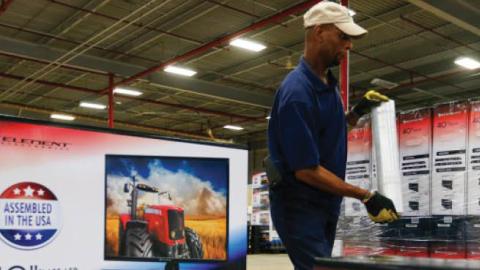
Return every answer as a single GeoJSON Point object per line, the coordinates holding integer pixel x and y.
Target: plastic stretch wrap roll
{"type": "Point", "coordinates": [385, 139]}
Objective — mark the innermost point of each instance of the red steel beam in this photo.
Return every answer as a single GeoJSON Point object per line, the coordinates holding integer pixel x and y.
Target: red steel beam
{"type": "Point", "coordinates": [27, 94]}
{"type": "Point", "coordinates": [75, 42]}
{"type": "Point", "coordinates": [96, 13]}
{"type": "Point", "coordinates": [272, 19]}
{"type": "Point", "coordinates": [102, 120]}
{"type": "Point", "coordinates": [220, 41]}
{"type": "Point", "coordinates": [5, 5]}
{"type": "Point", "coordinates": [53, 84]}
{"type": "Point", "coordinates": [110, 100]}
{"type": "Point", "coordinates": [345, 73]}
{"type": "Point", "coordinates": [46, 62]}
{"type": "Point", "coordinates": [93, 91]}
{"type": "Point", "coordinates": [99, 48]}
{"type": "Point", "coordinates": [23, 93]}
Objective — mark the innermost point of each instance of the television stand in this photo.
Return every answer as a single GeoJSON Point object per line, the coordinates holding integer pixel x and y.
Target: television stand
{"type": "Point", "coordinates": [172, 265]}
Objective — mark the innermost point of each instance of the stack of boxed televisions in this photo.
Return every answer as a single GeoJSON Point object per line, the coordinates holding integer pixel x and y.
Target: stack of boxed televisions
{"type": "Point", "coordinates": [262, 235]}
{"type": "Point", "coordinates": [439, 151]}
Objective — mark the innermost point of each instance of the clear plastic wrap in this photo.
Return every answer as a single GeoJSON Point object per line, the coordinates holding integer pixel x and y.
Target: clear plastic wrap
{"type": "Point", "coordinates": [439, 160]}
{"type": "Point", "coordinates": [386, 152]}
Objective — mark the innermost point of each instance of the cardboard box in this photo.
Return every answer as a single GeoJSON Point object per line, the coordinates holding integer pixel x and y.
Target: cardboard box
{"type": "Point", "coordinates": [415, 228]}
{"type": "Point", "coordinates": [472, 235]}
{"type": "Point", "coordinates": [415, 139]}
{"type": "Point", "coordinates": [473, 190]}
{"type": "Point", "coordinates": [358, 165]}
{"type": "Point", "coordinates": [389, 231]}
{"type": "Point", "coordinates": [448, 228]}
{"type": "Point", "coordinates": [472, 228]}
{"type": "Point", "coordinates": [449, 159]}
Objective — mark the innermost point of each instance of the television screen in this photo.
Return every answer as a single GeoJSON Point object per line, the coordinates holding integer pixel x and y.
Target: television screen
{"type": "Point", "coordinates": [163, 208]}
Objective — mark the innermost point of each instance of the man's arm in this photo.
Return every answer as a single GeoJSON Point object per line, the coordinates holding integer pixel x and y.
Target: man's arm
{"type": "Point", "coordinates": [352, 119]}
{"type": "Point", "coordinates": [380, 208]}
{"type": "Point", "coordinates": [325, 180]}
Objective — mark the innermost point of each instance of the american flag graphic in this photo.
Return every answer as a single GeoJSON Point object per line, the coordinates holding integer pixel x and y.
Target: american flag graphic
{"type": "Point", "coordinates": [29, 215]}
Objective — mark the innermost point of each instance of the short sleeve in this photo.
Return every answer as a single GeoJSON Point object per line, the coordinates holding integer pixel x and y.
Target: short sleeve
{"type": "Point", "coordinates": [296, 136]}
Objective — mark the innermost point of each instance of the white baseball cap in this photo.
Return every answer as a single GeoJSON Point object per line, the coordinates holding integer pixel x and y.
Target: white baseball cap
{"type": "Point", "coordinates": [327, 12]}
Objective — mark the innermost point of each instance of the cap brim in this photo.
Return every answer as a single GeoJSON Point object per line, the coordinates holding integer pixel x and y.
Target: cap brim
{"type": "Point", "coordinates": [352, 29]}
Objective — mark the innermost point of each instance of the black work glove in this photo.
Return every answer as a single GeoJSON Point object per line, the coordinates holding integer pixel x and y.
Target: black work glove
{"type": "Point", "coordinates": [380, 208]}
{"type": "Point", "coordinates": [370, 100]}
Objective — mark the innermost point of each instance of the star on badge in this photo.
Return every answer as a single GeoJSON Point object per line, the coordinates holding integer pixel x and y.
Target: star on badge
{"type": "Point", "coordinates": [28, 191]}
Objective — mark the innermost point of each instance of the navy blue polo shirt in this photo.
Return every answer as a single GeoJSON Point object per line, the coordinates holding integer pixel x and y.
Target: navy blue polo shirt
{"type": "Point", "coordinates": [308, 128]}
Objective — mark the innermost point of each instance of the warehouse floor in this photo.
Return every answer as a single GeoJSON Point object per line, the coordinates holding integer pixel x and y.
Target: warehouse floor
{"type": "Point", "coordinates": [268, 262]}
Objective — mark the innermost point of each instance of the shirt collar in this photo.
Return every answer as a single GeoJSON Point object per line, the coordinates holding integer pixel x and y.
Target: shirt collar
{"type": "Point", "coordinates": [305, 68]}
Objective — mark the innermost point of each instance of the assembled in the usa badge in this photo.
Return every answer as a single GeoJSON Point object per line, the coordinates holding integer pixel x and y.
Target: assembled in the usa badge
{"type": "Point", "coordinates": [30, 215]}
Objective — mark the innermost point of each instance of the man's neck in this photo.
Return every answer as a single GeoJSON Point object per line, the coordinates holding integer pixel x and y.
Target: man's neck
{"type": "Point", "coordinates": [320, 69]}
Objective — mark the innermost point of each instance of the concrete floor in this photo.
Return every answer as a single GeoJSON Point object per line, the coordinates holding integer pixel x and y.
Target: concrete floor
{"type": "Point", "coordinates": [268, 262]}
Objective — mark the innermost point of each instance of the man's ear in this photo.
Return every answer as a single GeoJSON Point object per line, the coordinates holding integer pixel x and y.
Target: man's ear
{"type": "Point", "coordinates": [318, 33]}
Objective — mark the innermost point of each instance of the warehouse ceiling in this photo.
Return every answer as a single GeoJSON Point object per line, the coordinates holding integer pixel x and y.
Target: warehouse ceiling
{"type": "Point", "coordinates": [55, 54]}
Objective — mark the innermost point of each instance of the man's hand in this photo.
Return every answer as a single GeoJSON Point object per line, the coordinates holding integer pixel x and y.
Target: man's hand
{"type": "Point", "coordinates": [380, 208]}
{"type": "Point", "coordinates": [370, 100]}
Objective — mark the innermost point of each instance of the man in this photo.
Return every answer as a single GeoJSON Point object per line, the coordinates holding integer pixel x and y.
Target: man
{"type": "Point", "coordinates": [307, 142]}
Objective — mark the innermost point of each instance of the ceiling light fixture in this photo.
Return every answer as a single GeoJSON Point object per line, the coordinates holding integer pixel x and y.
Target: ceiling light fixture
{"type": "Point", "coordinates": [126, 91]}
{"type": "Point", "coordinates": [93, 105]}
{"type": "Point", "coordinates": [180, 71]}
{"type": "Point", "coordinates": [233, 127]}
{"type": "Point", "coordinates": [468, 63]}
{"type": "Point", "coordinates": [268, 117]}
{"type": "Point", "coordinates": [247, 44]}
{"type": "Point", "coordinates": [62, 117]}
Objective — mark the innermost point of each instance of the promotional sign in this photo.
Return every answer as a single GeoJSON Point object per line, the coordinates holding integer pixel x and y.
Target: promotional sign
{"type": "Point", "coordinates": [415, 147]}
{"type": "Point", "coordinates": [358, 165]}
{"type": "Point", "coordinates": [73, 198]}
{"type": "Point", "coordinates": [449, 158]}
{"type": "Point", "coordinates": [473, 191]}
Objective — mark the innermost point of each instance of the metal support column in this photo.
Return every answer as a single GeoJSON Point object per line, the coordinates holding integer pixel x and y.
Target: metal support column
{"type": "Point", "coordinates": [111, 104]}
{"type": "Point", "coordinates": [344, 73]}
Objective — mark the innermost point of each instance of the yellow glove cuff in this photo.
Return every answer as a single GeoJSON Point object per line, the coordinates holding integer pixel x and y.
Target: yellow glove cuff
{"type": "Point", "coordinates": [374, 95]}
{"type": "Point", "coordinates": [384, 216]}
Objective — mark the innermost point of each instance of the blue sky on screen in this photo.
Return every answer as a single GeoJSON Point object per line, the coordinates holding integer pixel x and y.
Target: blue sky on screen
{"type": "Point", "coordinates": [214, 171]}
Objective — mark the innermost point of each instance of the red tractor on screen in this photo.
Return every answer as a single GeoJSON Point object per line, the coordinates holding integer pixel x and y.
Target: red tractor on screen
{"type": "Point", "coordinates": [160, 232]}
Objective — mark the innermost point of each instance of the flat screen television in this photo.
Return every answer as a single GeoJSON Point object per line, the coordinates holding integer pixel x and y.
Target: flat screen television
{"type": "Point", "coordinates": [163, 208]}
